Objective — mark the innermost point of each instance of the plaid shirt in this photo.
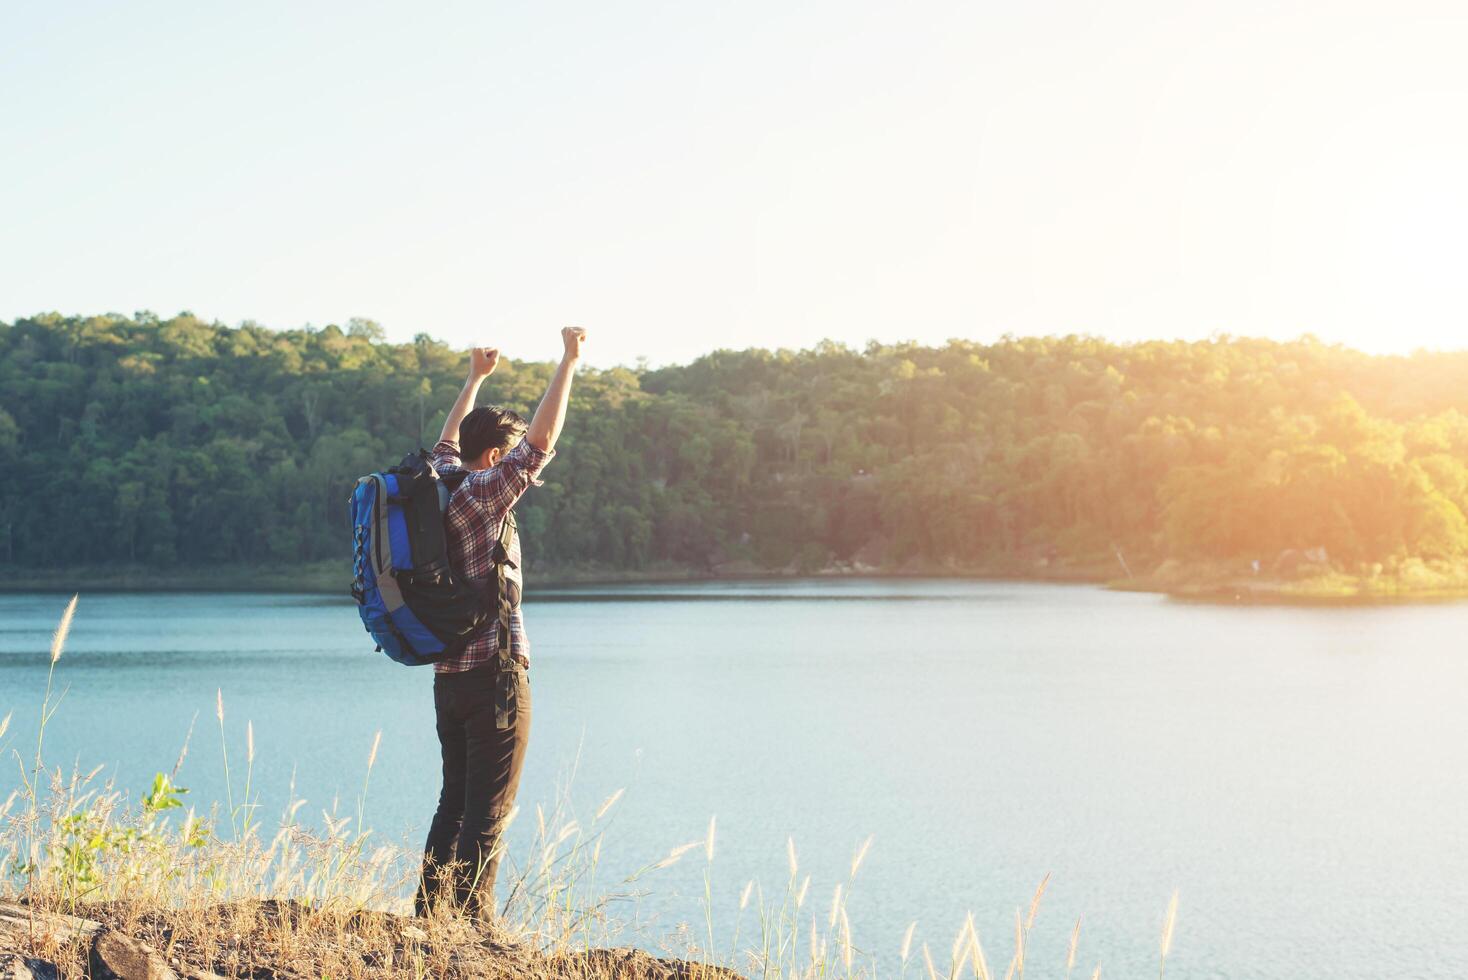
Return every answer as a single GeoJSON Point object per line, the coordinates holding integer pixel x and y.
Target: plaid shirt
{"type": "Point", "coordinates": [474, 517]}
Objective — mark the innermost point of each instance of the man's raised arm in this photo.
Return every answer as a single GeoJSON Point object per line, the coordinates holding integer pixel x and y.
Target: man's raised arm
{"type": "Point", "coordinates": [482, 362]}
{"type": "Point", "coordinates": [545, 427]}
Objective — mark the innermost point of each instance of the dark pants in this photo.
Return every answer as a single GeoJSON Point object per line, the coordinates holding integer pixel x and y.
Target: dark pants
{"type": "Point", "coordinates": [481, 771]}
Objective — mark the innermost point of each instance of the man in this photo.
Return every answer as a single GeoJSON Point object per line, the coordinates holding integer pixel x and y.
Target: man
{"type": "Point", "coordinates": [482, 697]}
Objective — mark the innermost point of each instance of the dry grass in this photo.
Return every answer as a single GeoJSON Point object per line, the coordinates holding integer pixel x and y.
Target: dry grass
{"type": "Point", "coordinates": [217, 893]}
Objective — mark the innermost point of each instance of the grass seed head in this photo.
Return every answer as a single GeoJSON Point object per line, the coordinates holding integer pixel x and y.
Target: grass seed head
{"type": "Point", "coordinates": [907, 939]}
{"type": "Point", "coordinates": [981, 965]}
{"type": "Point", "coordinates": [676, 854]}
{"type": "Point", "coordinates": [1168, 925]}
{"type": "Point", "coordinates": [607, 804]}
{"type": "Point", "coordinates": [1019, 943]}
{"type": "Point", "coordinates": [1035, 902]}
{"type": "Point", "coordinates": [966, 932]}
{"type": "Point", "coordinates": [861, 854]}
{"type": "Point", "coordinates": [58, 639]}
{"type": "Point", "coordinates": [372, 756]}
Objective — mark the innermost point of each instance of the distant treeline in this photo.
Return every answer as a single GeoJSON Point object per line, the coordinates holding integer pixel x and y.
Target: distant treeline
{"type": "Point", "coordinates": [183, 442]}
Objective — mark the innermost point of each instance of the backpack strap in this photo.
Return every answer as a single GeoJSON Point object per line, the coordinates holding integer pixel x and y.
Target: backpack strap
{"type": "Point", "coordinates": [504, 602]}
{"type": "Point", "coordinates": [504, 702]}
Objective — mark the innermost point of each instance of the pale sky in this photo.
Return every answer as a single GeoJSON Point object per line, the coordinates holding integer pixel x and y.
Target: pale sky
{"type": "Point", "coordinates": [684, 176]}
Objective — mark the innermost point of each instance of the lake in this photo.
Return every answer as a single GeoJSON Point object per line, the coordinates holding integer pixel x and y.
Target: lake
{"type": "Point", "coordinates": [1299, 776]}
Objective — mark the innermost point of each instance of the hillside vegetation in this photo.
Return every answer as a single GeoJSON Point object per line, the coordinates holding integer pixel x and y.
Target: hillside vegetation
{"type": "Point", "coordinates": [171, 443]}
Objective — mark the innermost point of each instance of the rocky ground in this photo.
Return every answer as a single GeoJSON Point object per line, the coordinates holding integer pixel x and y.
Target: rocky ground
{"type": "Point", "coordinates": [268, 939]}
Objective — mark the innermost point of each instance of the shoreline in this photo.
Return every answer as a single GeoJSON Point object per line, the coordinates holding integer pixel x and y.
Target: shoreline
{"type": "Point", "coordinates": [326, 579]}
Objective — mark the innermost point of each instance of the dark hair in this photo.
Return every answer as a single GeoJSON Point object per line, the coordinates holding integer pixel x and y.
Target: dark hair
{"type": "Point", "coordinates": [489, 428]}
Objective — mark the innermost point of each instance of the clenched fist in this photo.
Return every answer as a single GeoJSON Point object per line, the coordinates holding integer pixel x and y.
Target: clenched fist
{"type": "Point", "coordinates": [483, 361]}
{"type": "Point", "coordinates": [573, 338]}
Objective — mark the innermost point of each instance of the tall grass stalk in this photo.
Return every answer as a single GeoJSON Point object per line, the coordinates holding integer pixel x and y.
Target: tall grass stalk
{"type": "Point", "coordinates": [224, 750]}
{"type": "Point", "coordinates": [367, 780]}
{"type": "Point", "coordinates": [247, 808]}
{"type": "Point", "coordinates": [58, 644]}
{"type": "Point", "coordinates": [708, 887]}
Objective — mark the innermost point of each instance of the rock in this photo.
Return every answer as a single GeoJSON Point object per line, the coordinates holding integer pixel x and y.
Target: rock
{"type": "Point", "coordinates": [634, 964]}
{"type": "Point", "coordinates": [22, 924]}
{"type": "Point", "coordinates": [115, 955]}
{"type": "Point", "coordinates": [25, 928]}
{"type": "Point", "coordinates": [14, 967]}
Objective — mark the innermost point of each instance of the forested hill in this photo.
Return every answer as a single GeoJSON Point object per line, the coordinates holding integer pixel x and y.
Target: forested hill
{"type": "Point", "coordinates": [185, 443]}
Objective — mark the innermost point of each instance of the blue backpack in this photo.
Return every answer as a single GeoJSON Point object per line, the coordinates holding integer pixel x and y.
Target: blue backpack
{"type": "Point", "coordinates": [417, 608]}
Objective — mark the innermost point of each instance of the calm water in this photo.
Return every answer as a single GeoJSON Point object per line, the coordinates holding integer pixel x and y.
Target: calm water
{"type": "Point", "coordinates": [1300, 775]}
